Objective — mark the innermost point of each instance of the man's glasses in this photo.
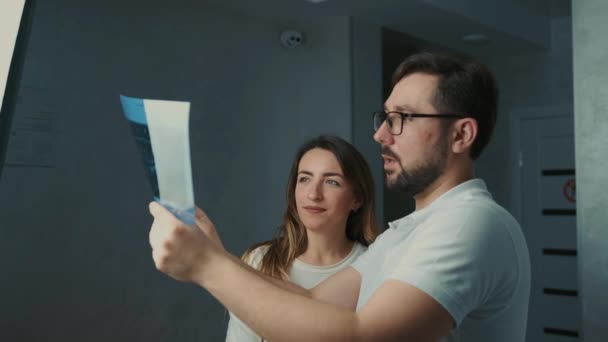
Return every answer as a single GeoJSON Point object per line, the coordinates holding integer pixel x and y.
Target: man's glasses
{"type": "Point", "coordinates": [394, 120]}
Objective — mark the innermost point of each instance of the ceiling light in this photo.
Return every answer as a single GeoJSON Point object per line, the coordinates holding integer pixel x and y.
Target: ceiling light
{"type": "Point", "coordinates": [476, 39]}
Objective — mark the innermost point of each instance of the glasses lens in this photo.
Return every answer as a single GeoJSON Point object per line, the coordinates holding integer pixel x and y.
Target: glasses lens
{"type": "Point", "coordinates": [379, 118]}
{"type": "Point", "coordinates": [393, 121]}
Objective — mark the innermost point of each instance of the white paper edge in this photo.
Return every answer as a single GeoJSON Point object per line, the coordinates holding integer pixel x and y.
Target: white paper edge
{"type": "Point", "coordinates": [168, 123]}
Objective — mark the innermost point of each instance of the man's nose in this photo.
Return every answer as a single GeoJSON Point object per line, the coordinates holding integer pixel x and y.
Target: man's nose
{"type": "Point", "coordinates": [382, 135]}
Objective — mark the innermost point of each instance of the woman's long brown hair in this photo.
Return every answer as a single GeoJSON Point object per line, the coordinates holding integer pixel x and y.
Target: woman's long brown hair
{"type": "Point", "coordinates": [290, 240]}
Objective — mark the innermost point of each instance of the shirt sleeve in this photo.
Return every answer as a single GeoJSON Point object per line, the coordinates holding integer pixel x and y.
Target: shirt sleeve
{"type": "Point", "coordinates": [461, 259]}
{"type": "Point", "coordinates": [363, 261]}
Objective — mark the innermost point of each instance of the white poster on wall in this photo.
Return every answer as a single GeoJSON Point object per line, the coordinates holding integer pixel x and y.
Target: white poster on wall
{"type": "Point", "coordinates": [10, 18]}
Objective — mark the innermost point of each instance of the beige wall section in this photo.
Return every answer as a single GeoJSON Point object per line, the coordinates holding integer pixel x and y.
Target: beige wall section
{"type": "Point", "coordinates": [591, 128]}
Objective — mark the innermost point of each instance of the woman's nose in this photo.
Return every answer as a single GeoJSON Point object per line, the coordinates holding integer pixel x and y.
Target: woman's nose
{"type": "Point", "coordinates": [315, 192]}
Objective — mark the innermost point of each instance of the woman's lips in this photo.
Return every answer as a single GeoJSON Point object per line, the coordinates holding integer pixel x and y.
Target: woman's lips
{"type": "Point", "coordinates": [313, 209]}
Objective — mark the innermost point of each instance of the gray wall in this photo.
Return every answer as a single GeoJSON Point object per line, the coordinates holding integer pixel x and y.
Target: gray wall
{"type": "Point", "coordinates": [591, 125]}
{"type": "Point", "coordinates": [73, 236]}
{"type": "Point", "coordinates": [366, 47]}
{"type": "Point", "coordinates": [526, 80]}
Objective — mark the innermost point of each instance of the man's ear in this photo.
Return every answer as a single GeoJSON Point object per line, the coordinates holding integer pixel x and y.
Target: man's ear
{"type": "Point", "coordinates": [463, 135]}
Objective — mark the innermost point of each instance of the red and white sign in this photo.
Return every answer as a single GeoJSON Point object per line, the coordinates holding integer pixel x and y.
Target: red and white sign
{"type": "Point", "coordinates": [569, 190]}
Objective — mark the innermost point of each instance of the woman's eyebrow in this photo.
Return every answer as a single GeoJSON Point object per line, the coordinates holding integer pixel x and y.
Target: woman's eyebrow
{"type": "Point", "coordinates": [326, 174]}
{"type": "Point", "coordinates": [333, 174]}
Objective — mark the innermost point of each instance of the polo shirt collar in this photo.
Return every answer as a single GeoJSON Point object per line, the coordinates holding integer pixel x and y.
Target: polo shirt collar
{"type": "Point", "coordinates": [463, 189]}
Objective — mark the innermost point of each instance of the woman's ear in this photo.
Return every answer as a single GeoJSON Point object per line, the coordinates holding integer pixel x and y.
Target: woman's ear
{"type": "Point", "coordinates": [357, 203]}
{"type": "Point", "coordinates": [464, 134]}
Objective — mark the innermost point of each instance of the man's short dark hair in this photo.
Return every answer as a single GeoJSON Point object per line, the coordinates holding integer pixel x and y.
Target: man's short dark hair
{"type": "Point", "coordinates": [465, 87]}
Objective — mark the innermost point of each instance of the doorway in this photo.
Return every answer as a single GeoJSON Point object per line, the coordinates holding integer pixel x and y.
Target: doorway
{"type": "Point", "coordinates": [545, 201]}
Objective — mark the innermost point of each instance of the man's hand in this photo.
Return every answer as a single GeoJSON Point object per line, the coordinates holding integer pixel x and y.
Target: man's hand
{"type": "Point", "coordinates": [204, 223]}
{"type": "Point", "coordinates": [179, 250]}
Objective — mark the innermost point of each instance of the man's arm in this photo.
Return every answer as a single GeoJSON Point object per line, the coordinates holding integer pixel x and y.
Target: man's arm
{"type": "Point", "coordinates": [340, 289]}
{"type": "Point", "coordinates": [343, 291]}
{"type": "Point", "coordinates": [283, 284]}
{"type": "Point", "coordinates": [396, 311]}
{"type": "Point", "coordinates": [344, 295]}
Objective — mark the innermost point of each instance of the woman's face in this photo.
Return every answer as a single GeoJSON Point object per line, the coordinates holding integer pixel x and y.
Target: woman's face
{"type": "Point", "coordinates": [324, 198]}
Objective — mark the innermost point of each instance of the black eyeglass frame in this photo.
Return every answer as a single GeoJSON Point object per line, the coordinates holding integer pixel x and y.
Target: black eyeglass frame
{"type": "Point", "coordinates": [412, 115]}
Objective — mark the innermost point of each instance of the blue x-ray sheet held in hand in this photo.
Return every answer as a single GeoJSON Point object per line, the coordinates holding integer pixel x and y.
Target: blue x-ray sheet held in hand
{"type": "Point", "coordinates": [160, 129]}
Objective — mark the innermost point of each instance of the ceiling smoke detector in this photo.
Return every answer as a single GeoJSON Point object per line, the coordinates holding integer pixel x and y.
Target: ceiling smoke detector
{"type": "Point", "coordinates": [291, 39]}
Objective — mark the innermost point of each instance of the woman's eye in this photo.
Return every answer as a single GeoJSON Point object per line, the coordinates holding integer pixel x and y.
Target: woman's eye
{"type": "Point", "coordinates": [302, 179]}
{"type": "Point", "coordinates": [333, 182]}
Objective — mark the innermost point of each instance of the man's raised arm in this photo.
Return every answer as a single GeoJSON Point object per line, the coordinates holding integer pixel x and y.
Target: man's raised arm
{"type": "Point", "coordinates": [396, 311]}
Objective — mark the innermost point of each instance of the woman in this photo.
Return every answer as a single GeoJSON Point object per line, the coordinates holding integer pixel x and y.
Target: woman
{"type": "Point", "coordinates": [329, 220]}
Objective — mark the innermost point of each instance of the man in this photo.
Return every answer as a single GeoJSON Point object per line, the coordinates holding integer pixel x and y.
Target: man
{"type": "Point", "coordinates": [457, 268]}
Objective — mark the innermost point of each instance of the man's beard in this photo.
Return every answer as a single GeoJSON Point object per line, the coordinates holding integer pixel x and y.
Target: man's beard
{"type": "Point", "coordinates": [419, 178]}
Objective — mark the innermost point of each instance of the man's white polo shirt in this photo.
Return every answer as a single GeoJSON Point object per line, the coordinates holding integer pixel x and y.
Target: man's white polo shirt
{"type": "Point", "coordinates": [466, 252]}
